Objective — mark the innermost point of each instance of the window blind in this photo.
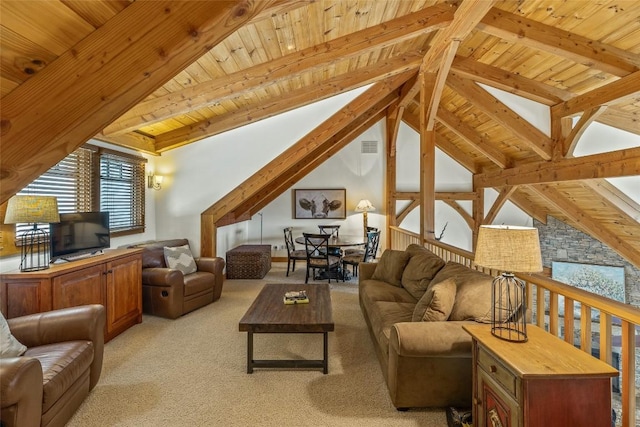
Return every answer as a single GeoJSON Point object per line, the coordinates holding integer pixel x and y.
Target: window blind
{"type": "Point", "coordinates": [70, 181]}
{"type": "Point", "coordinates": [122, 191]}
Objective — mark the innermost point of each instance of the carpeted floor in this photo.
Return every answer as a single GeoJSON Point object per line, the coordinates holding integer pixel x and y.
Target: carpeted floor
{"type": "Point", "coordinates": [192, 371]}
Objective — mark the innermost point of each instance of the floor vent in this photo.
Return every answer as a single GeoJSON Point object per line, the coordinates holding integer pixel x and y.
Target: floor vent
{"type": "Point", "coordinates": [369, 147]}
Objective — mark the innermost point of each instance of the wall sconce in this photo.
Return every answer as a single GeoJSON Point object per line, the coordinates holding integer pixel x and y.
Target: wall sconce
{"type": "Point", "coordinates": [154, 181]}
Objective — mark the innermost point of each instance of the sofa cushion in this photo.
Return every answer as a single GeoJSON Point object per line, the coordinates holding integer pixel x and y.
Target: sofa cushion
{"type": "Point", "coordinates": [62, 365]}
{"type": "Point", "coordinates": [197, 282]}
{"type": "Point", "coordinates": [180, 258]}
{"type": "Point", "coordinates": [391, 266]}
{"type": "Point", "coordinates": [473, 292]}
{"type": "Point", "coordinates": [9, 345]}
{"type": "Point", "coordinates": [437, 302]}
{"type": "Point", "coordinates": [421, 268]}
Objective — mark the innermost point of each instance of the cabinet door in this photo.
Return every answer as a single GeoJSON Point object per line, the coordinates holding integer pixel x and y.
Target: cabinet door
{"type": "Point", "coordinates": [84, 286]}
{"type": "Point", "coordinates": [498, 408]}
{"type": "Point", "coordinates": [124, 293]}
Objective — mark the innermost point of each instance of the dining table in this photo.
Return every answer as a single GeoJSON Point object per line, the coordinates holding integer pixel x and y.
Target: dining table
{"type": "Point", "coordinates": [337, 242]}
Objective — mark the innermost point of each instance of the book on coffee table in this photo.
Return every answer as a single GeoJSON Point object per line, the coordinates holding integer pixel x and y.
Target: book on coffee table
{"type": "Point", "coordinates": [296, 297]}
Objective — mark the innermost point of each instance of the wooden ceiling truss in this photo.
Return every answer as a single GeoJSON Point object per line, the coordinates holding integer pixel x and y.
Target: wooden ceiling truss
{"type": "Point", "coordinates": [156, 75]}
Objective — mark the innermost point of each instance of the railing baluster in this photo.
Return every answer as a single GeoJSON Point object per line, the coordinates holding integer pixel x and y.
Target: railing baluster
{"type": "Point", "coordinates": [569, 321]}
{"type": "Point", "coordinates": [628, 374]}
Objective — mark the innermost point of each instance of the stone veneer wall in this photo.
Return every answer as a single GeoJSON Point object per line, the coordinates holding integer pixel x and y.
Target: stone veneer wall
{"type": "Point", "coordinates": [561, 242]}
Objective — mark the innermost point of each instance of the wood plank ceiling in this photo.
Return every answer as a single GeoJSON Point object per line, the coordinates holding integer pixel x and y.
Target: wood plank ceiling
{"type": "Point", "coordinates": [156, 75]}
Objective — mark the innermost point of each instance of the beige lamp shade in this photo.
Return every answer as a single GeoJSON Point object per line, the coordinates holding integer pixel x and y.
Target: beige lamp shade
{"type": "Point", "coordinates": [509, 248]}
{"type": "Point", "coordinates": [364, 206]}
{"type": "Point", "coordinates": [32, 209]}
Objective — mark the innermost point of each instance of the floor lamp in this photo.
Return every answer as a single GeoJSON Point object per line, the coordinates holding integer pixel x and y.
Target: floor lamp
{"type": "Point", "coordinates": [509, 248]}
{"type": "Point", "coordinates": [35, 242]}
{"type": "Point", "coordinates": [364, 206]}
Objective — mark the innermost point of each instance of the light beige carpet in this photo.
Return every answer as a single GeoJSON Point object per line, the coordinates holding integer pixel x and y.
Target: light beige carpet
{"type": "Point", "coordinates": [192, 371]}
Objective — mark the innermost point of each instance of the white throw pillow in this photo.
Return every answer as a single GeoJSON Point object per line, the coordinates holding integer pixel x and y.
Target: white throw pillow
{"type": "Point", "coordinates": [180, 258]}
{"type": "Point", "coordinates": [9, 345]}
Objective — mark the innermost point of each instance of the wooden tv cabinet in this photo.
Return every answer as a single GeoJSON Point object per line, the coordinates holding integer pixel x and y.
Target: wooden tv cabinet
{"type": "Point", "coordinates": [113, 279]}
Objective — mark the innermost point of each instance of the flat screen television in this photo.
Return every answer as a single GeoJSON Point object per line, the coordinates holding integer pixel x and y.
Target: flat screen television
{"type": "Point", "coordinates": [79, 233]}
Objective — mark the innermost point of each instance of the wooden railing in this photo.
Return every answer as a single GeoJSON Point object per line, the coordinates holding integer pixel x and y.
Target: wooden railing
{"type": "Point", "coordinates": [615, 329]}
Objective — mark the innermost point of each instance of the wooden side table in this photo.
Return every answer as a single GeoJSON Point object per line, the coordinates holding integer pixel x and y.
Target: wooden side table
{"type": "Point", "coordinates": [539, 383]}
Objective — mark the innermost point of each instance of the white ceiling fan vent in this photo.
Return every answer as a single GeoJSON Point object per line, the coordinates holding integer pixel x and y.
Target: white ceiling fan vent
{"type": "Point", "coordinates": [369, 147]}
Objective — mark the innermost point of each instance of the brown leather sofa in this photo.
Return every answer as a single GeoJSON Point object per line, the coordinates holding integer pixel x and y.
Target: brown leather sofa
{"type": "Point", "coordinates": [167, 292]}
{"type": "Point", "coordinates": [62, 364]}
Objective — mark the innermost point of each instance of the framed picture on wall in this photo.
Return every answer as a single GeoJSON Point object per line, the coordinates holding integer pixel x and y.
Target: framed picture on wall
{"type": "Point", "coordinates": [319, 204]}
{"type": "Point", "coordinates": [604, 280]}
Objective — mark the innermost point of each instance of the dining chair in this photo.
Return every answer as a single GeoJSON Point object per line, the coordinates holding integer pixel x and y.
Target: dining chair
{"type": "Point", "coordinates": [360, 251]}
{"type": "Point", "coordinates": [318, 257]}
{"type": "Point", "coordinates": [333, 231]}
{"type": "Point", "coordinates": [293, 254]}
{"type": "Point", "coordinates": [373, 238]}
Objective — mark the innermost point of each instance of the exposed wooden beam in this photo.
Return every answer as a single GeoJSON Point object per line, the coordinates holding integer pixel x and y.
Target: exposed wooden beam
{"type": "Point", "coordinates": [510, 82]}
{"type": "Point", "coordinates": [502, 198]}
{"type": "Point", "coordinates": [257, 77]}
{"type": "Point", "coordinates": [427, 158]}
{"type": "Point", "coordinates": [393, 120]}
{"type": "Point", "coordinates": [536, 140]}
{"type": "Point", "coordinates": [406, 211]}
{"type": "Point", "coordinates": [587, 224]}
{"type": "Point", "coordinates": [612, 93]}
{"type": "Point", "coordinates": [605, 165]}
{"type": "Point", "coordinates": [535, 211]}
{"type": "Point", "coordinates": [625, 205]}
{"type": "Point", "coordinates": [286, 102]}
{"type": "Point", "coordinates": [440, 195]}
{"type": "Point", "coordinates": [621, 119]}
{"type": "Point", "coordinates": [466, 17]}
{"type": "Point", "coordinates": [571, 140]}
{"type": "Point", "coordinates": [585, 51]}
{"type": "Point", "coordinates": [133, 141]}
{"type": "Point", "coordinates": [122, 63]}
{"type": "Point", "coordinates": [471, 137]}
{"type": "Point", "coordinates": [438, 87]}
{"type": "Point", "coordinates": [463, 213]}
{"type": "Point", "coordinates": [445, 145]}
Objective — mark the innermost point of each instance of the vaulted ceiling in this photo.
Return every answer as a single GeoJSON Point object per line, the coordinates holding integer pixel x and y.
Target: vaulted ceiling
{"type": "Point", "coordinates": [156, 75]}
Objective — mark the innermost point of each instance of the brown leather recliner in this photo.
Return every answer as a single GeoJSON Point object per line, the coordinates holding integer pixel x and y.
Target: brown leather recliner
{"type": "Point", "coordinates": [62, 364]}
{"type": "Point", "coordinates": [167, 292]}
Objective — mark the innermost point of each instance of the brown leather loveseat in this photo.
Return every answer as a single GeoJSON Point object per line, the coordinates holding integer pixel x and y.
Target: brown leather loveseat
{"type": "Point", "coordinates": [167, 292]}
{"type": "Point", "coordinates": [62, 364]}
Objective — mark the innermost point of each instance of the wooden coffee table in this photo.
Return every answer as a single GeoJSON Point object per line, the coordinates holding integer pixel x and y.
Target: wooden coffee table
{"type": "Point", "coordinates": [269, 314]}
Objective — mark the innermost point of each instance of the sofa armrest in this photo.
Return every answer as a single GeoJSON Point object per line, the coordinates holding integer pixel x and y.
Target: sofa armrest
{"type": "Point", "coordinates": [86, 322]}
{"type": "Point", "coordinates": [428, 339]}
{"type": "Point", "coordinates": [366, 270]}
{"type": "Point", "coordinates": [158, 276]}
{"type": "Point", "coordinates": [212, 265]}
{"type": "Point", "coordinates": [216, 266]}
{"type": "Point", "coordinates": [21, 390]}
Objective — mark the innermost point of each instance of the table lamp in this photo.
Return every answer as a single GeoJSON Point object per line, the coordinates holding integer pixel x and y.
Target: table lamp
{"type": "Point", "coordinates": [364, 206]}
{"type": "Point", "coordinates": [35, 242]}
{"type": "Point", "coordinates": [510, 249]}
